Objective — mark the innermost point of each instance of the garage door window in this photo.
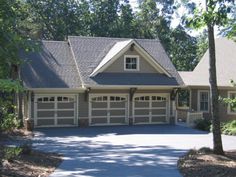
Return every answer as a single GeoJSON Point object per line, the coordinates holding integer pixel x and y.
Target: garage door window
{"type": "Point", "coordinates": [55, 110]}
{"type": "Point", "coordinates": [45, 99]}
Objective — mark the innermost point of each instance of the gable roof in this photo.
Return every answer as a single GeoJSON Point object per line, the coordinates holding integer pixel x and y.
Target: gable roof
{"type": "Point", "coordinates": [118, 49]}
{"type": "Point", "coordinates": [89, 53]}
{"type": "Point", "coordinates": [225, 66]}
{"type": "Point", "coordinates": [69, 64]}
{"type": "Point", "coordinates": [52, 67]}
{"type": "Point", "coordinates": [115, 50]}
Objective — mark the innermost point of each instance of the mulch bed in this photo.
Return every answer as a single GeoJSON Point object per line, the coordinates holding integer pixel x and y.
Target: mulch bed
{"type": "Point", "coordinates": [31, 164]}
{"type": "Point", "coordinates": [203, 163]}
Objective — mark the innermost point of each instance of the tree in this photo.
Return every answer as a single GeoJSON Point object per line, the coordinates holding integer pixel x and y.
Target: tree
{"type": "Point", "coordinates": [55, 20]}
{"type": "Point", "coordinates": [215, 14]}
{"type": "Point", "coordinates": [13, 38]}
{"type": "Point", "coordinates": [183, 49]}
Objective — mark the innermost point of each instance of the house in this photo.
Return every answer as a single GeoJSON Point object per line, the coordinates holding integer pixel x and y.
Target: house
{"type": "Point", "coordinates": [91, 81]}
{"type": "Point", "coordinates": [197, 80]}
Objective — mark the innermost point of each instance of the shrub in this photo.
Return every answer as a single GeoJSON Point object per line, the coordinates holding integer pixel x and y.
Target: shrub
{"type": "Point", "coordinates": [9, 121]}
{"type": "Point", "coordinates": [229, 128]}
{"type": "Point", "coordinates": [203, 124]}
{"type": "Point", "coordinates": [11, 152]}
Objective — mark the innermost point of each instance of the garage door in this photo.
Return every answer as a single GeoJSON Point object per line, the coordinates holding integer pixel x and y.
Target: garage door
{"type": "Point", "coordinates": [150, 109]}
{"type": "Point", "coordinates": [51, 110]}
{"type": "Point", "coordinates": [108, 109]}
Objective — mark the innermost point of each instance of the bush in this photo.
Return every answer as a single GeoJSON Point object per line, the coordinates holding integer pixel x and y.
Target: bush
{"type": "Point", "coordinates": [11, 152]}
{"type": "Point", "coordinates": [9, 121]}
{"type": "Point", "coordinates": [203, 124]}
{"type": "Point", "coordinates": [229, 128]}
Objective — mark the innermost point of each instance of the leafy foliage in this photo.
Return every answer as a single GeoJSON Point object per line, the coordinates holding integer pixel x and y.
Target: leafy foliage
{"type": "Point", "coordinates": [229, 128]}
{"type": "Point", "coordinates": [11, 152]}
{"type": "Point", "coordinates": [203, 124]}
{"type": "Point", "coordinates": [9, 86]}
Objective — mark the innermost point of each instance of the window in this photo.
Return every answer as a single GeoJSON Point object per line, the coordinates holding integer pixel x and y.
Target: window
{"type": "Point", "coordinates": [231, 109]}
{"type": "Point", "coordinates": [203, 103]}
{"type": "Point", "coordinates": [131, 62]}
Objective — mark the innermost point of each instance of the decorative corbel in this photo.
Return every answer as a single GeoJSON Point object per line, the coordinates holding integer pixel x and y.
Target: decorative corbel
{"type": "Point", "coordinates": [174, 93]}
{"type": "Point", "coordinates": [132, 92]}
{"type": "Point", "coordinates": [87, 91]}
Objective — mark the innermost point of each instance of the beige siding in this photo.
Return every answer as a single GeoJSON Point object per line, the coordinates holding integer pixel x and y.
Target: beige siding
{"type": "Point", "coordinates": [83, 106]}
{"type": "Point", "coordinates": [118, 65]}
{"type": "Point", "coordinates": [224, 116]}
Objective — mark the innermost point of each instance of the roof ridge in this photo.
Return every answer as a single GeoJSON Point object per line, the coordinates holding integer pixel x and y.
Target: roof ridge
{"type": "Point", "coordinates": [112, 38]}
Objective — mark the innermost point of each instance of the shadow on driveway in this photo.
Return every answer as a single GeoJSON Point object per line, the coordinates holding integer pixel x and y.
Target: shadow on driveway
{"type": "Point", "coordinates": [120, 151]}
{"type": "Point", "coordinates": [119, 130]}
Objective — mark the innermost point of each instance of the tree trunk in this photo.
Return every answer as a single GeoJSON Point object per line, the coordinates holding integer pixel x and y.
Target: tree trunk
{"type": "Point", "coordinates": [217, 142]}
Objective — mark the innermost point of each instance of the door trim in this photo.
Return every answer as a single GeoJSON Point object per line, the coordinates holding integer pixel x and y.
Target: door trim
{"type": "Point", "coordinates": [166, 95]}
{"type": "Point", "coordinates": [108, 106]}
{"type": "Point", "coordinates": [55, 108]}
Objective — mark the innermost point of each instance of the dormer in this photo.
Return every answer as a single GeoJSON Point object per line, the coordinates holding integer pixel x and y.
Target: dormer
{"type": "Point", "coordinates": [128, 57]}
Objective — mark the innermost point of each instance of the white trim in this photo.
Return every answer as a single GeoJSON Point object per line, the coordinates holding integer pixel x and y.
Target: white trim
{"type": "Point", "coordinates": [108, 108]}
{"type": "Point", "coordinates": [101, 67]}
{"type": "Point", "coordinates": [137, 60]}
{"type": "Point", "coordinates": [151, 60]}
{"type": "Point", "coordinates": [75, 90]}
{"type": "Point", "coordinates": [198, 100]}
{"type": "Point", "coordinates": [228, 107]}
{"type": "Point", "coordinates": [76, 64]}
{"type": "Point", "coordinates": [150, 107]}
{"type": "Point", "coordinates": [136, 86]}
{"type": "Point", "coordinates": [147, 57]}
{"type": "Point", "coordinates": [29, 106]}
{"type": "Point", "coordinates": [56, 109]}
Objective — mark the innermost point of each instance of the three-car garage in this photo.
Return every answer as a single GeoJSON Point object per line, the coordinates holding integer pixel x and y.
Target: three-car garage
{"type": "Point", "coordinates": [58, 110]}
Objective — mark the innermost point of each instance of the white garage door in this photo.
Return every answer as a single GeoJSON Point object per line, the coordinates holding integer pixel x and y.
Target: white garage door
{"type": "Point", "coordinates": [108, 109]}
{"type": "Point", "coordinates": [52, 110]}
{"type": "Point", "coordinates": [150, 109]}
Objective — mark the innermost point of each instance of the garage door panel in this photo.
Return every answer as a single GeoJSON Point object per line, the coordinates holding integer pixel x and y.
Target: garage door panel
{"type": "Point", "coordinates": [141, 104]}
{"type": "Point", "coordinates": [65, 113]}
{"type": "Point", "coordinates": [99, 113]}
{"type": "Point", "coordinates": [159, 104]}
{"type": "Point", "coordinates": [141, 112]}
{"type": "Point", "coordinates": [102, 120]}
{"type": "Point", "coordinates": [149, 108]}
{"type": "Point", "coordinates": [65, 105]}
{"type": "Point", "coordinates": [47, 122]}
{"type": "Point", "coordinates": [108, 109]}
{"type": "Point", "coordinates": [117, 120]}
{"type": "Point", "coordinates": [65, 121]}
{"type": "Point", "coordinates": [45, 106]}
{"type": "Point", "coordinates": [117, 104]}
{"type": "Point", "coordinates": [42, 114]}
{"type": "Point", "coordinates": [117, 112]}
{"type": "Point", "coordinates": [159, 119]}
{"type": "Point", "coordinates": [54, 110]}
{"type": "Point", "coordinates": [99, 104]}
{"type": "Point", "coordinates": [141, 119]}
{"type": "Point", "coordinates": [158, 111]}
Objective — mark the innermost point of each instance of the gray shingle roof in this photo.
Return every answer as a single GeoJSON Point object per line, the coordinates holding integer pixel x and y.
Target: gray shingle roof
{"type": "Point", "coordinates": [150, 79]}
{"type": "Point", "coordinates": [52, 67]}
{"type": "Point", "coordinates": [225, 66]}
{"type": "Point", "coordinates": [89, 51]}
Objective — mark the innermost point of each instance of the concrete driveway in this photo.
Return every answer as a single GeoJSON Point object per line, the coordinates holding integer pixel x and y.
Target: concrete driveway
{"type": "Point", "coordinates": [123, 151]}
